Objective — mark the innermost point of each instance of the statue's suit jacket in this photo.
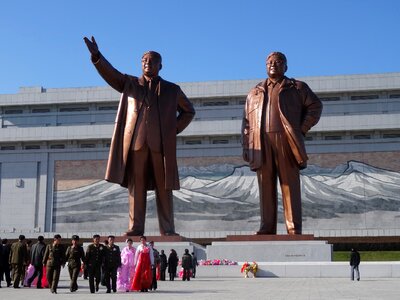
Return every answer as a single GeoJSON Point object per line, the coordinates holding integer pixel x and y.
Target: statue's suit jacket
{"type": "Point", "coordinates": [299, 110]}
{"type": "Point", "coordinates": [171, 100]}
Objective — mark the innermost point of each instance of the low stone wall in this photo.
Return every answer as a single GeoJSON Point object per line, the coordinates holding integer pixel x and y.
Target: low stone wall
{"type": "Point", "coordinates": [306, 270]}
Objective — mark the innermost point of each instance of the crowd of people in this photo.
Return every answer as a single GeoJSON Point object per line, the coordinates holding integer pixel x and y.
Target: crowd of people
{"type": "Point", "coordinates": [132, 269]}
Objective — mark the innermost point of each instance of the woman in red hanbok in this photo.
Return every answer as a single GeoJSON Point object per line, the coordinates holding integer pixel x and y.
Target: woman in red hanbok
{"type": "Point", "coordinates": [144, 261]}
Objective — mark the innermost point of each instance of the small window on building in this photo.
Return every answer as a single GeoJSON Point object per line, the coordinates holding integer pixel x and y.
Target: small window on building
{"type": "Point", "coordinates": [364, 97]}
{"type": "Point", "coordinates": [362, 137]}
{"type": "Point", "coordinates": [333, 137]}
{"type": "Point", "coordinates": [220, 141]}
{"type": "Point", "coordinates": [309, 138]}
{"type": "Point", "coordinates": [13, 111]}
{"type": "Point", "coordinates": [329, 98]}
{"type": "Point", "coordinates": [393, 96]}
{"type": "Point", "coordinates": [7, 148]}
{"type": "Point", "coordinates": [215, 103]}
{"type": "Point", "coordinates": [391, 135]}
{"type": "Point", "coordinates": [32, 147]}
{"type": "Point", "coordinates": [40, 110]}
{"type": "Point", "coordinates": [242, 102]}
{"type": "Point", "coordinates": [193, 142]}
{"type": "Point", "coordinates": [73, 109]}
{"type": "Point", "coordinates": [88, 146]}
{"type": "Point", "coordinates": [57, 146]}
{"type": "Point", "coordinates": [111, 107]}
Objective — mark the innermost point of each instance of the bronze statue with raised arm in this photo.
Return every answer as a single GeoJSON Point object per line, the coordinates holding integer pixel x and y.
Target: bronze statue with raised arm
{"type": "Point", "coordinates": [151, 112]}
{"type": "Point", "coordinates": [279, 111]}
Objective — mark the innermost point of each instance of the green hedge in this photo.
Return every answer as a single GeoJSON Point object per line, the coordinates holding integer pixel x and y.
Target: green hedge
{"type": "Point", "coordinates": [368, 255]}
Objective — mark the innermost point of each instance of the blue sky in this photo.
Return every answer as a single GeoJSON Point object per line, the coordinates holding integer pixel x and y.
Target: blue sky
{"type": "Point", "coordinates": [41, 42]}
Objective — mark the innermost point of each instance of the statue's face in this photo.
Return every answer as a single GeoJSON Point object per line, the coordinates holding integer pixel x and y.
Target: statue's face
{"type": "Point", "coordinates": [151, 65]}
{"type": "Point", "coordinates": [276, 67]}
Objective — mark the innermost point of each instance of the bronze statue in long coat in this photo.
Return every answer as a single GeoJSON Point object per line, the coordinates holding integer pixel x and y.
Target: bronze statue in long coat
{"type": "Point", "coordinates": [151, 112]}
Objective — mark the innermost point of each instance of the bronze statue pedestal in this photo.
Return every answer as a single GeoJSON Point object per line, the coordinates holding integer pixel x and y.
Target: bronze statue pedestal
{"type": "Point", "coordinates": [270, 237]}
{"type": "Point", "coordinates": [271, 248]}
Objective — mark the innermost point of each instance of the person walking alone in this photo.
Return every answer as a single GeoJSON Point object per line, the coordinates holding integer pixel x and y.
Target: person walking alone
{"type": "Point", "coordinates": [354, 263]}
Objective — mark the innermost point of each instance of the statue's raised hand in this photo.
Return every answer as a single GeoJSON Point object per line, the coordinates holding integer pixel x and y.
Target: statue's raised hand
{"type": "Point", "coordinates": [92, 46]}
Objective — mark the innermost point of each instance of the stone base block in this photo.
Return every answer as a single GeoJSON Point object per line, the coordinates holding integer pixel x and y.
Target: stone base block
{"type": "Point", "coordinates": [271, 251]}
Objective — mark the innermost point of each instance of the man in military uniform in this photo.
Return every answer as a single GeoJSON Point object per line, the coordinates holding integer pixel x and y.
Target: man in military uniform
{"type": "Point", "coordinates": [74, 256]}
{"type": "Point", "coordinates": [18, 259]}
{"type": "Point", "coordinates": [94, 259]}
{"type": "Point", "coordinates": [112, 261]}
{"type": "Point", "coordinates": [54, 258]}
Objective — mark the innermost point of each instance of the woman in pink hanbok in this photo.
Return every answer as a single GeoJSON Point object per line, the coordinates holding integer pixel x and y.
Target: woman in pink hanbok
{"type": "Point", "coordinates": [127, 270]}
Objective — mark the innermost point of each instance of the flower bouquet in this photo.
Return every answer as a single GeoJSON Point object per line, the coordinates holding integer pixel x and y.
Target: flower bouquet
{"type": "Point", "coordinates": [249, 268]}
{"type": "Point", "coordinates": [217, 262]}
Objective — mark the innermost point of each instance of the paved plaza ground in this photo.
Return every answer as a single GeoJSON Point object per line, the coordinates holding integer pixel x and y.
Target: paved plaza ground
{"type": "Point", "coordinates": [230, 288]}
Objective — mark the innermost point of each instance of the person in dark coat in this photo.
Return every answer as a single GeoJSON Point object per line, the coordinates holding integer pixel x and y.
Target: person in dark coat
{"type": "Point", "coordinates": [1, 263]}
{"type": "Point", "coordinates": [156, 265]}
{"type": "Point", "coordinates": [74, 256]}
{"type": "Point", "coordinates": [37, 254]}
{"type": "Point", "coordinates": [112, 261]}
{"type": "Point", "coordinates": [172, 264]}
{"type": "Point", "coordinates": [354, 263]}
{"type": "Point", "coordinates": [18, 260]}
{"type": "Point", "coordinates": [54, 259]}
{"type": "Point", "coordinates": [163, 265]}
{"type": "Point", "coordinates": [186, 265]}
{"type": "Point", "coordinates": [94, 260]}
{"type": "Point", "coordinates": [103, 271]}
{"type": "Point", "coordinates": [5, 261]}
{"type": "Point", "coordinates": [194, 264]}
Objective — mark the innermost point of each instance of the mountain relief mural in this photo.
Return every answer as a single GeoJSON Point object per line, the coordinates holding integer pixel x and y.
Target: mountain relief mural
{"type": "Point", "coordinates": [225, 198]}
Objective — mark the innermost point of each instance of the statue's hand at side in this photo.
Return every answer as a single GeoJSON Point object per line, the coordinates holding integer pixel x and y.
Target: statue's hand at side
{"type": "Point", "coordinates": [92, 46]}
